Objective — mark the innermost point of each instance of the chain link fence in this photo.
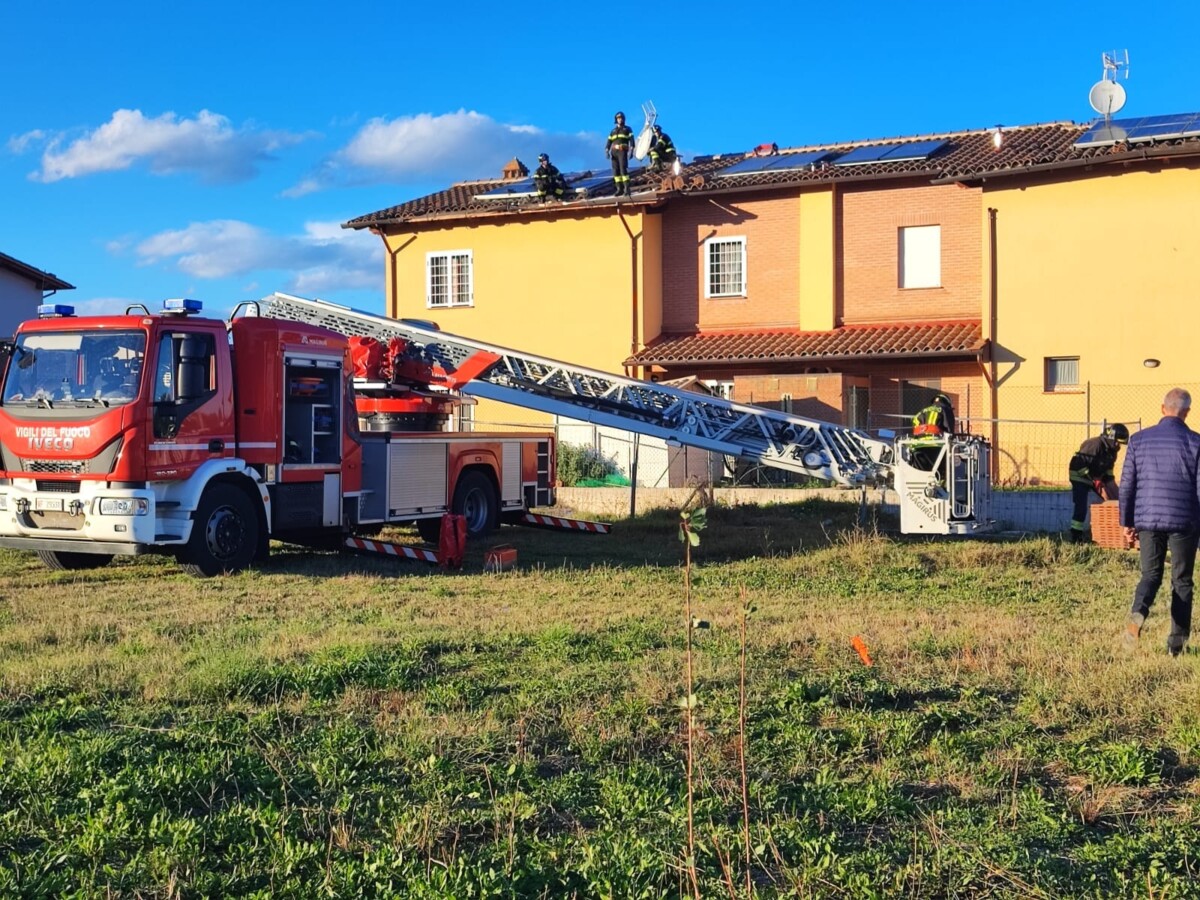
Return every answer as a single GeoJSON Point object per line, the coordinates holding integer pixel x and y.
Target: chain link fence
{"type": "Point", "coordinates": [1032, 440]}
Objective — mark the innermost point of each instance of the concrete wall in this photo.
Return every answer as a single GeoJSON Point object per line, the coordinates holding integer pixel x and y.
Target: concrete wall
{"type": "Point", "coordinates": [1032, 511]}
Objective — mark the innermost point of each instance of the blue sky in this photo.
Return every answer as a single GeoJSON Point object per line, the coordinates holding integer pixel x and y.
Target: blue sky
{"type": "Point", "coordinates": [152, 150]}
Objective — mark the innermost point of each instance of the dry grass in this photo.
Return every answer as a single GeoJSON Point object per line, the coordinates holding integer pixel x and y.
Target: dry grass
{"type": "Point", "coordinates": [999, 703]}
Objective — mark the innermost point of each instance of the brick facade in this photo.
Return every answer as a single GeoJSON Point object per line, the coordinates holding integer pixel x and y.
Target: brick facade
{"type": "Point", "coordinates": [869, 264]}
{"type": "Point", "coordinates": [819, 396]}
{"type": "Point", "coordinates": [771, 228]}
{"type": "Point", "coordinates": [895, 391]}
{"type": "Point", "coordinates": [867, 270]}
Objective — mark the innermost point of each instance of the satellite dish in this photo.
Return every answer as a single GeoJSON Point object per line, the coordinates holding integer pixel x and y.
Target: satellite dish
{"type": "Point", "coordinates": [642, 146]}
{"type": "Point", "coordinates": [1106, 97]}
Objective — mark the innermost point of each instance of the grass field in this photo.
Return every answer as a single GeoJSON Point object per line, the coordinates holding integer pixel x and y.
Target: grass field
{"type": "Point", "coordinates": [332, 726]}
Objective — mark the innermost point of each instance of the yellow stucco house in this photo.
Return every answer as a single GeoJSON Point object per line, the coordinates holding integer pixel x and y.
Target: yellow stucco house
{"type": "Point", "coordinates": [1036, 274]}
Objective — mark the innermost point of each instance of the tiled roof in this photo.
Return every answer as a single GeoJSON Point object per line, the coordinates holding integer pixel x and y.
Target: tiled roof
{"type": "Point", "coordinates": [44, 280]}
{"type": "Point", "coordinates": [960, 338]}
{"type": "Point", "coordinates": [967, 155]}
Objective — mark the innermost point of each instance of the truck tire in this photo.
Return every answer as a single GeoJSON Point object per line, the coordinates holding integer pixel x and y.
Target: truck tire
{"type": "Point", "coordinates": [475, 500]}
{"type": "Point", "coordinates": [224, 534]}
{"type": "Point", "coordinates": [65, 561]}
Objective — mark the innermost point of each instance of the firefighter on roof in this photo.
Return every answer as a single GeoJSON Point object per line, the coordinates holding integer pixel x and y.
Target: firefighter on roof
{"type": "Point", "coordinates": [618, 147]}
{"type": "Point", "coordinates": [548, 180]}
{"type": "Point", "coordinates": [1092, 470]}
{"type": "Point", "coordinates": [662, 151]}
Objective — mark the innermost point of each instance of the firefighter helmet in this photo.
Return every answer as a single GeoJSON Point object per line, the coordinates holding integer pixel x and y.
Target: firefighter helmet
{"type": "Point", "coordinates": [658, 129]}
{"type": "Point", "coordinates": [1117, 432]}
{"type": "Point", "coordinates": [542, 157]}
{"type": "Point", "coordinates": [619, 116]}
{"type": "Point", "coordinates": [941, 398]}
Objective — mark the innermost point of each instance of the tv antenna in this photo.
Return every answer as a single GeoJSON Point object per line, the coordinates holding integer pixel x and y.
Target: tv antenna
{"type": "Point", "coordinates": [1107, 96]}
{"type": "Point", "coordinates": [642, 145]}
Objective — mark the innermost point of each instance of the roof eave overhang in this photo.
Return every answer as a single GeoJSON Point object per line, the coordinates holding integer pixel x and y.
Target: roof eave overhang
{"type": "Point", "coordinates": [659, 198]}
{"type": "Point", "coordinates": [44, 280]}
{"type": "Point", "coordinates": [507, 212]}
{"type": "Point", "coordinates": [915, 356]}
{"type": "Point", "coordinates": [1133, 156]}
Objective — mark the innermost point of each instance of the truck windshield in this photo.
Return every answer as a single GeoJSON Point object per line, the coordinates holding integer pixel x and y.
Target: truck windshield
{"type": "Point", "coordinates": [74, 369]}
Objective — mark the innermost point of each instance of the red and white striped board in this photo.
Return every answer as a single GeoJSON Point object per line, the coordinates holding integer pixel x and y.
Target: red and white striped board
{"type": "Point", "coordinates": [538, 521]}
{"type": "Point", "coordinates": [398, 550]}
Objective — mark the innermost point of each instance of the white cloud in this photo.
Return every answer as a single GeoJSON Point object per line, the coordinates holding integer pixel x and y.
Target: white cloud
{"type": "Point", "coordinates": [463, 144]}
{"type": "Point", "coordinates": [323, 259]}
{"type": "Point", "coordinates": [22, 142]}
{"type": "Point", "coordinates": [208, 145]}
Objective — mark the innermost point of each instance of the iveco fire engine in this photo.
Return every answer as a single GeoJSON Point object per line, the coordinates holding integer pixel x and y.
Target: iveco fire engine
{"type": "Point", "coordinates": [173, 433]}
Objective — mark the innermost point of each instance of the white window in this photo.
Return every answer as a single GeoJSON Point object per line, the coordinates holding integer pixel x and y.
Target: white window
{"type": "Point", "coordinates": [921, 256]}
{"type": "Point", "coordinates": [725, 267]}
{"type": "Point", "coordinates": [449, 279]}
{"type": "Point", "coordinates": [1062, 373]}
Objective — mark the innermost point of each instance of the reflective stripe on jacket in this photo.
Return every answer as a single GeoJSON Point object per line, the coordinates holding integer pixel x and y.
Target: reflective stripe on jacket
{"type": "Point", "coordinates": [619, 138]}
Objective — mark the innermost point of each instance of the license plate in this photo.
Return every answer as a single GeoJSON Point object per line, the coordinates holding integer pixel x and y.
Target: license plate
{"type": "Point", "coordinates": [48, 504]}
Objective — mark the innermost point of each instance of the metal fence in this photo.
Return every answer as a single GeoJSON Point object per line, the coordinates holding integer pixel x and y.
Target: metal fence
{"type": "Point", "coordinates": [1032, 444]}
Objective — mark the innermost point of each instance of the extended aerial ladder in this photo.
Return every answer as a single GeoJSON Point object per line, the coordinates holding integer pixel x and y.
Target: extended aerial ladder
{"type": "Point", "coordinates": [823, 450]}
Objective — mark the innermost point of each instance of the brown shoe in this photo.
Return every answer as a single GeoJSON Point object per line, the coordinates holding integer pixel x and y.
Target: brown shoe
{"type": "Point", "coordinates": [1133, 631]}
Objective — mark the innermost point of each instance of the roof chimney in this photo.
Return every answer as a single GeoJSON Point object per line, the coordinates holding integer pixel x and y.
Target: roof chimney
{"type": "Point", "coordinates": [514, 170]}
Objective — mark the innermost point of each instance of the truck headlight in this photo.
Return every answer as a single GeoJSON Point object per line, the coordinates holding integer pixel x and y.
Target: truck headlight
{"type": "Point", "coordinates": [3, 502]}
{"type": "Point", "coordinates": [124, 506]}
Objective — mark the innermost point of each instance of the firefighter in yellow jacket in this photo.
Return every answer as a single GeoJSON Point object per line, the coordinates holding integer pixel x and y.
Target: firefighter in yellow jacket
{"type": "Point", "coordinates": [929, 427]}
{"type": "Point", "coordinates": [618, 148]}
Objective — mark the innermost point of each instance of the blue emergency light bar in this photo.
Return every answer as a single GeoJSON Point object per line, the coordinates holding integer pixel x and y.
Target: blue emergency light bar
{"type": "Point", "coordinates": [53, 310]}
{"type": "Point", "coordinates": [181, 305]}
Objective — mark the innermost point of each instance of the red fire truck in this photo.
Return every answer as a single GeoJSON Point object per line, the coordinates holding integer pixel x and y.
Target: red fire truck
{"type": "Point", "coordinates": [177, 434]}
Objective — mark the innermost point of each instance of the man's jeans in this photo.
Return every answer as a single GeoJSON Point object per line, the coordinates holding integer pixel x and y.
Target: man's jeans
{"type": "Point", "coordinates": [1182, 545]}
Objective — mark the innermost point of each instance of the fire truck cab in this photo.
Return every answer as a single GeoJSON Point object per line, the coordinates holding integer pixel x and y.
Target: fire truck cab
{"type": "Point", "coordinates": [173, 433]}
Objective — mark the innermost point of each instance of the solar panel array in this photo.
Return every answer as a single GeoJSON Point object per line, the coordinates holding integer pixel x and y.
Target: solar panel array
{"type": "Point", "coordinates": [522, 188]}
{"type": "Point", "coordinates": [1146, 128]}
{"type": "Point", "coordinates": [792, 162]}
{"type": "Point", "coordinates": [890, 153]}
{"type": "Point", "coordinates": [783, 162]}
{"type": "Point", "coordinates": [590, 182]}
{"type": "Point", "coordinates": [582, 184]}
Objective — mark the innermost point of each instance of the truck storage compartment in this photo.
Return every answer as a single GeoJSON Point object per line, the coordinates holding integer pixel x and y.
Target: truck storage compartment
{"type": "Point", "coordinates": [312, 411]}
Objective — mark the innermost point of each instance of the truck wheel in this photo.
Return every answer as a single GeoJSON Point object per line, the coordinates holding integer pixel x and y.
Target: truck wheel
{"type": "Point", "coordinates": [475, 500]}
{"type": "Point", "coordinates": [224, 533]}
{"type": "Point", "coordinates": [65, 561]}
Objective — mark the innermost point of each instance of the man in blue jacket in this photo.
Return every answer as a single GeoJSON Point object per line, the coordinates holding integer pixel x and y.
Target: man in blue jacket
{"type": "Point", "coordinates": [1160, 501]}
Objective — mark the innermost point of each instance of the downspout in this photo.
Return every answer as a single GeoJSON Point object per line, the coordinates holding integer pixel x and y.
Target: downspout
{"type": "Point", "coordinates": [993, 319]}
{"type": "Point", "coordinates": [393, 286]}
{"type": "Point", "coordinates": [634, 345]}
{"type": "Point", "coordinates": [633, 349]}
